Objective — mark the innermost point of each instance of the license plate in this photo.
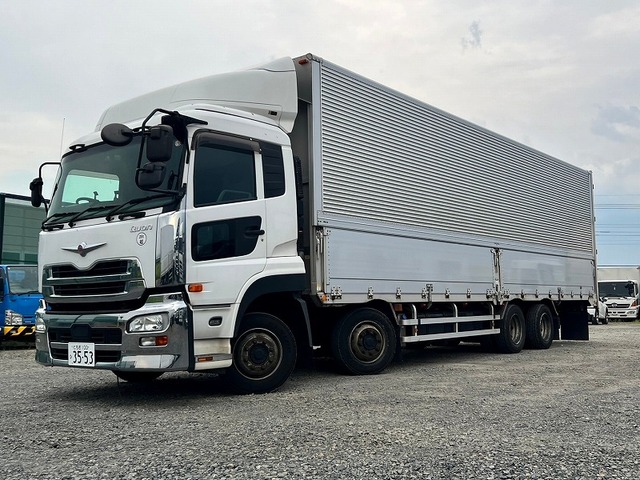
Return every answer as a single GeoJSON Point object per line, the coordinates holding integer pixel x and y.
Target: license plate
{"type": "Point", "coordinates": [82, 354]}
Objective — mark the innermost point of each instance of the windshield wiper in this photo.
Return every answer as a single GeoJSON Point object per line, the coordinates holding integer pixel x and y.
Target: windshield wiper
{"type": "Point", "coordinates": [136, 201]}
{"type": "Point", "coordinates": [55, 215]}
{"type": "Point", "coordinates": [49, 225]}
{"type": "Point", "coordinates": [79, 215]}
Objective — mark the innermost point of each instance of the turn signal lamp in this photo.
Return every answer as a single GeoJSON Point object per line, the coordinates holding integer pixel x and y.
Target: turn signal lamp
{"type": "Point", "coordinates": [196, 288]}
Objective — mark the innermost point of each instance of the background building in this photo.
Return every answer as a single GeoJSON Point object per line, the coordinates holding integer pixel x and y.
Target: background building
{"type": "Point", "coordinates": [19, 228]}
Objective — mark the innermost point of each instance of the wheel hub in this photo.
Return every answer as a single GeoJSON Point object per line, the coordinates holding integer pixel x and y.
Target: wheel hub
{"type": "Point", "coordinates": [367, 342]}
{"type": "Point", "coordinates": [258, 354]}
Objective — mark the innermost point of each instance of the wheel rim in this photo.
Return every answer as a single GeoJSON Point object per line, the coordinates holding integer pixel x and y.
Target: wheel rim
{"type": "Point", "coordinates": [258, 353]}
{"type": "Point", "coordinates": [546, 330]}
{"type": "Point", "coordinates": [516, 330]}
{"type": "Point", "coordinates": [367, 342]}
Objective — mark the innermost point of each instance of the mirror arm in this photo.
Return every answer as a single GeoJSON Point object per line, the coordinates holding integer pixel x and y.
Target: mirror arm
{"type": "Point", "coordinates": [41, 183]}
{"type": "Point", "coordinates": [47, 163]}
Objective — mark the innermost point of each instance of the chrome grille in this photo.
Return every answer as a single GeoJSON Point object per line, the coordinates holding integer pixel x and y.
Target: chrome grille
{"type": "Point", "coordinates": [113, 267]}
{"type": "Point", "coordinates": [103, 281]}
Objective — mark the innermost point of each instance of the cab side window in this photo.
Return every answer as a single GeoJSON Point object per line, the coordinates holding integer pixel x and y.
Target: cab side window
{"type": "Point", "coordinates": [223, 174]}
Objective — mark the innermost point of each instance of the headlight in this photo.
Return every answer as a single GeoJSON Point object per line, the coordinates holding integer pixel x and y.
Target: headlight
{"type": "Point", "coordinates": [42, 308]}
{"type": "Point", "coordinates": [40, 327]}
{"type": "Point", "coordinates": [12, 318]}
{"type": "Point", "coordinates": [148, 323]}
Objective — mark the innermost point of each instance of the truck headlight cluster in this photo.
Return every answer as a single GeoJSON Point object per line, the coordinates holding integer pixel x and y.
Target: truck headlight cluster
{"type": "Point", "coordinates": [148, 323]}
{"type": "Point", "coordinates": [41, 327]}
{"type": "Point", "coordinates": [12, 318]}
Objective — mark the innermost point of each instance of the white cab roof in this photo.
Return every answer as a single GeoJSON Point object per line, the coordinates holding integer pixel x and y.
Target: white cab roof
{"type": "Point", "coordinates": [268, 90]}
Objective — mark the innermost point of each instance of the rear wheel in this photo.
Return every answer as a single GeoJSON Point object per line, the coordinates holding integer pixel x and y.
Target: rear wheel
{"type": "Point", "coordinates": [364, 342]}
{"type": "Point", "coordinates": [512, 330]}
{"type": "Point", "coordinates": [137, 377]}
{"type": "Point", "coordinates": [264, 354]}
{"type": "Point", "coordinates": [539, 323]}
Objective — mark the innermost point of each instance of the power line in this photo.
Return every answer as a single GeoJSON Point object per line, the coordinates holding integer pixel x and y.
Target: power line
{"type": "Point", "coordinates": [617, 206]}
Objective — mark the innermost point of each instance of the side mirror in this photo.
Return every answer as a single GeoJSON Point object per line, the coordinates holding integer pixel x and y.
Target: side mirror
{"type": "Point", "coordinates": [151, 175]}
{"type": "Point", "coordinates": [160, 143]}
{"type": "Point", "coordinates": [116, 135]}
{"type": "Point", "coordinates": [36, 191]}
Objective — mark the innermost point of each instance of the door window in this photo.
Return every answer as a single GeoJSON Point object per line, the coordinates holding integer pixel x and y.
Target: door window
{"type": "Point", "coordinates": [223, 175]}
{"type": "Point", "coordinates": [233, 237]}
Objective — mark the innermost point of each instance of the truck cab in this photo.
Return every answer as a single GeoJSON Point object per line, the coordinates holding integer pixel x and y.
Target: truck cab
{"type": "Point", "coordinates": [621, 298]}
{"type": "Point", "coordinates": [19, 297]}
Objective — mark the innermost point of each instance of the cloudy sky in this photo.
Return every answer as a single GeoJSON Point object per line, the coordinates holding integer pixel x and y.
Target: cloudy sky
{"type": "Point", "coordinates": [561, 76]}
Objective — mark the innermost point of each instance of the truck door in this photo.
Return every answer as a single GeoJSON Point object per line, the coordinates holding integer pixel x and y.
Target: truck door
{"type": "Point", "coordinates": [226, 232]}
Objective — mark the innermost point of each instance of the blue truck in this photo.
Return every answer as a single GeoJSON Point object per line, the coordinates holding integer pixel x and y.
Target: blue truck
{"type": "Point", "coordinates": [20, 225]}
{"type": "Point", "coordinates": [19, 297]}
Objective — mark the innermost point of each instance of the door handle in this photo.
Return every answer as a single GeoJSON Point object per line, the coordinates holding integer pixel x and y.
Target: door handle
{"type": "Point", "coordinates": [253, 232]}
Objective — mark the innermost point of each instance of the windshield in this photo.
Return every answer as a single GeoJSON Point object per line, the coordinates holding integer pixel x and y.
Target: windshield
{"type": "Point", "coordinates": [617, 289]}
{"type": "Point", "coordinates": [23, 279]}
{"type": "Point", "coordinates": [94, 181]}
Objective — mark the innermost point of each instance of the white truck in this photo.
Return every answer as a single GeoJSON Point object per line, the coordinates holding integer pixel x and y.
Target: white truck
{"type": "Point", "coordinates": [619, 290]}
{"type": "Point", "coordinates": [236, 222]}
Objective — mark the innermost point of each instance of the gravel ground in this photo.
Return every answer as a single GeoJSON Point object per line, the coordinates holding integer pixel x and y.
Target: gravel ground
{"type": "Point", "coordinates": [571, 412]}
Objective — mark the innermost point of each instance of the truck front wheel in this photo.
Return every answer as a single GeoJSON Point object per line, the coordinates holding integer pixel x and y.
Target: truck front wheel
{"type": "Point", "coordinates": [364, 342]}
{"type": "Point", "coordinates": [512, 330]}
{"type": "Point", "coordinates": [264, 354]}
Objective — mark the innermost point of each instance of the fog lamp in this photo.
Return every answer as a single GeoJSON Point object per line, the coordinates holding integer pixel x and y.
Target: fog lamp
{"type": "Point", "coordinates": [148, 323]}
{"type": "Point", "coordinates": [159, 341]}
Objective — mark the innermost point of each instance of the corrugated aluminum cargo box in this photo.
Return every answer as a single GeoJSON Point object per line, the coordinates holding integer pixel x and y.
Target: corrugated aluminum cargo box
{"type": "Point", "coordinates": [406, 197]}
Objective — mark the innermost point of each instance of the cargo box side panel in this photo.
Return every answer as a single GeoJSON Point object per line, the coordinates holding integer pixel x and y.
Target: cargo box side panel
{"type": "Point", "coordinates": [362, 265]}
{"type": "Point", "coordinates": [388, 158]}
{"type": "Point", "coordinates": [547, 276]}
{"type": "Point", "coordinates": [362, 262]}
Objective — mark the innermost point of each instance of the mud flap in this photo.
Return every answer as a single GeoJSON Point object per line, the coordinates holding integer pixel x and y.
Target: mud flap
{"type": "Point", "coordinates": [574, 322]}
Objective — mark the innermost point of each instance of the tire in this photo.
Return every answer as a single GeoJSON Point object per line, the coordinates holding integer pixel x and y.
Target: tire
{"type": "Point", "coordinates": [488, 343]}
{"type": "Point", "coordinates": [264, 354]}
{"type": "Point", "coordinates": [364, 342]}
{"type": "Point", "coordinates": [512, 330]}
{"type": "Point", "coordinates": [137, 377]}
{"type": "Point", "coordinates": [539, 323]}
{"type": "Point", "coordinates": [605, 320]}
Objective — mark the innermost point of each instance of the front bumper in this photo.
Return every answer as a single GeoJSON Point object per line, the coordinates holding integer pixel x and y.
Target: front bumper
{"type": "Point", "coordinates": [623, 313]}
{"type": "Point", "coordinates": [115, 348]}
